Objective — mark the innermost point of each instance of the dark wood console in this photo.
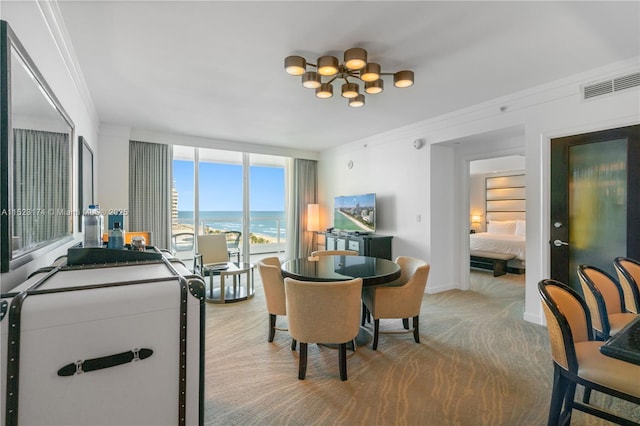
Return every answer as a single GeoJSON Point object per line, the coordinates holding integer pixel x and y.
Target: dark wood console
{"type": "Point", "coordinates": [373, 245]}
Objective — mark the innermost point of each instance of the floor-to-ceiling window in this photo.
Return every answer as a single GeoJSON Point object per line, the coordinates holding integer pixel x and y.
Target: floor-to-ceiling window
{"type": "Point", "coordinates": [216, 191]}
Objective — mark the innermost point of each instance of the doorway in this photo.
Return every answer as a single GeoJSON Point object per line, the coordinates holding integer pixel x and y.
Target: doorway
{"type": "Point", "coordinates": [595, 202]}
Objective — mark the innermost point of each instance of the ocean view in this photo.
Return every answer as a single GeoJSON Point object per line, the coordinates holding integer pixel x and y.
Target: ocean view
{"type": "Point", "coordinates": [266, 223]}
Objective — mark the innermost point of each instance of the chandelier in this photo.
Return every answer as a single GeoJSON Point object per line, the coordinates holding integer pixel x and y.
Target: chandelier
{"type": "Point", "coordinates": [354, 69]}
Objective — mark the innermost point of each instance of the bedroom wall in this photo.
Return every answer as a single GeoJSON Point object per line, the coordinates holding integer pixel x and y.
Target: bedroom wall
{"type": "Point", "coordinates": [477, 194]}
{"type": "Point", "coordinates": [35, 26]}
{"type": "Point", "coordinates": [425, 192]}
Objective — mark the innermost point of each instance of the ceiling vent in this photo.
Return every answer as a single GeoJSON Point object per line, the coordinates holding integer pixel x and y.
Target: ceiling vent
{"type": "Point", "coordinates": [609, 86]}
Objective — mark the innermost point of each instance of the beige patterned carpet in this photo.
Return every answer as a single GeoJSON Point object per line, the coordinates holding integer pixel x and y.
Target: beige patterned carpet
{"type": "Point", "coordinates": [478, 363]}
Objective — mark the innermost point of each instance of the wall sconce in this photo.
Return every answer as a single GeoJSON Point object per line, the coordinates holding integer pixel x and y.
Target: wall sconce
{"type": "Point", "coordinates": [475, 219]}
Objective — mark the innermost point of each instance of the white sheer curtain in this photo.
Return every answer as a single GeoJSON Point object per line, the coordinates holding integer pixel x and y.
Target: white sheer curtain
{"type": "Point", "coordinates": [150, 191]}
{"type": "Point", "coordinates": [302, 189]}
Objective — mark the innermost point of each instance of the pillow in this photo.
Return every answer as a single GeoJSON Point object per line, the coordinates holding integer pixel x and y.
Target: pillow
{"type": "Point", "coordinates": [521, 228]}
{"type": "Point", "coordinates": [502, 227]}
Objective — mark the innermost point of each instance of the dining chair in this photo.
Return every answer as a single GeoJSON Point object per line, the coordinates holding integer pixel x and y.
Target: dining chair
{"type": "Point", "coordinates": [323, 312]}
{"type": "Point", "coordinates": [334, 253]}
{"type": "Point", "coordinates": [401, 299]}
{"type": "Point", "coordinates": [233, 243]}
{"type": "Point", "coordinates": [211, 250]}
{"type": "Point", "coordinates": [603, 296]}
{"type": "Point", "coordinates": [274, 294]}
{"type": "Point", "coordinates": [577, 358]}
{"type": "Point", "coordinates": [628, 271]}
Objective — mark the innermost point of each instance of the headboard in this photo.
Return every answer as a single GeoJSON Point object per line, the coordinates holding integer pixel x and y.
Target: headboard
{"type": "Point", "coordinates": [505, 197]}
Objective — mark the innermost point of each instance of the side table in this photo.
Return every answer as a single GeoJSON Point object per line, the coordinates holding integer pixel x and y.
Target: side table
{"type": "Point", "coordinates": [235, 292]}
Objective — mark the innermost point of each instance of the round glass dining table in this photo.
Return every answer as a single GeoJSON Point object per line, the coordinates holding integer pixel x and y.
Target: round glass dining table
{"type": "Point", "coordinates": [372, 270]}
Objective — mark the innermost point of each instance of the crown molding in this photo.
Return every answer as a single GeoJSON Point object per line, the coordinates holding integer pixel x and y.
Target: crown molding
{"type": "Point", "coordinates": [55, 22]}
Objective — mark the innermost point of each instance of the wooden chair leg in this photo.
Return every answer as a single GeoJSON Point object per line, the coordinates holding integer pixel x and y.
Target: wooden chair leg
{"type": "Point", "coordinates": [272, 327]}
{"type": "Point", "coordinates": [405, 323]}
{"type": "Point", "coordinates": [342, 361]}
{"type": "Point", "coordinates": [416, 336]}
{"type": "Point", "coordinates": [376, 330]}
{"type": "Point", "coordinates": [302, 369]}
{"type": "Point", "coordinates": [364, 314]}
{"type": "Point", "coordinates": [569, 396]}
{"type": "Point", "coordinates": [293, 344]}
{"type": "Point", "coordinates": [586, 396]}
{"type": "Point", "coordinates": [558, 391]}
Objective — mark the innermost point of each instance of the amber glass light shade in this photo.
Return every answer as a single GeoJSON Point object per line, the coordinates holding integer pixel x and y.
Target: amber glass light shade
{"type": "Point", "coordinates": [374, 87]}
{"type": "Point", "coordinates": [311, 80]}
{"type": "Point", "coordinates": [403, 78]}
{"type": "Point", "coordinates": [295, 65]}
{"type": "Point", "coordinates": [327, 65]}
{"type": "Point", "coordinates": [355, 58]}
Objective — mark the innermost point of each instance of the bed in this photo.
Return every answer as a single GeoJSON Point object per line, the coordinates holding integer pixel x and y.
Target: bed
{"type": "Point", "coordinates": [504, 238]}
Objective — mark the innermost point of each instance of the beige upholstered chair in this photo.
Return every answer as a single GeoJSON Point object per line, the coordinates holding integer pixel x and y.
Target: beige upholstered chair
{"type": "Point", "coordinates": [577, 358]}
{"type": "Point", "coordinates": [274, 294]}
{"type": "Point", "coordinates": [211, 251]}
{"type": "Point", "coordinates": [323, 312]}
{"type": "Point", "coordinates": [334, 253]}
{"type": "Point", "coordinates": [603, 296]}
{"type": "Point", "coordinates": [629, 278]}
{"type": "Point", "coordinates": [400, 299]}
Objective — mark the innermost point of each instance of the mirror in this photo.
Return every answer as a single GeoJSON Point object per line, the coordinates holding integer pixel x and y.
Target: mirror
{"type": "Point", "coordinates": [36, 156]}
{"type": "Point", "coordinates": [85, 176]}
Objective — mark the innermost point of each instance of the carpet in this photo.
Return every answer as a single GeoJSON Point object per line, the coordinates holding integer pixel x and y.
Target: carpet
{"type": "Point", "coordinates": [478, 363]}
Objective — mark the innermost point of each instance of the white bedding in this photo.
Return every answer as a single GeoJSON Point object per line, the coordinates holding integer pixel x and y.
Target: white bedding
{"type": "Point", "coordinates": [498, 243]}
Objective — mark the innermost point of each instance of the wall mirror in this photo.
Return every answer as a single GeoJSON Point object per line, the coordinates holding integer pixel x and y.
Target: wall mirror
{"type": "Point", "coordinates": [36, 160]}
{"type": "Point", "coordinates": [85, 176]}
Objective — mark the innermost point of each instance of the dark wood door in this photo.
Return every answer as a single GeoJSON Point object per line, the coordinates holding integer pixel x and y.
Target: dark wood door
{"type": "Point", "coordinates": [595, 200]}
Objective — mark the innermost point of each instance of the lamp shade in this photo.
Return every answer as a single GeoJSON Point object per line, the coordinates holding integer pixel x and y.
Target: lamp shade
{"type": "Point", "coordinates": [311, 80]}
{"type": "Point", "coordinates": [403, 78]}
{"type": "Point", "coordinates": [475, 219]}
{"type": "Point", "coordinates": [349, 90]}
{"type": "Point", "coordinates": [355, 58]}
{"type": "Point", "coordinates": [374, 87]}
{"type": "Point", "coordinates": [325, 91]}
{"type": "Point", "coordinates": [295, 65]}
{"type": "Point", "coordinates": [371, 72]}
{"type": "Point", "coordinates": [357, 102]}
{"type": "Point", "coordinates": [327, 65]}
{"type": "Point", "coordinates": [313, 217]}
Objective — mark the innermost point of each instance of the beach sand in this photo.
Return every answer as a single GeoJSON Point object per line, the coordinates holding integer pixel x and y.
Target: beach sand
{"type": "Point", "coordinates": [178, 228]}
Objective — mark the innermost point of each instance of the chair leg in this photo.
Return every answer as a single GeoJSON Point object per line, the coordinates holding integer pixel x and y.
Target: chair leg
{"type": "Point", "coordinates": [272, 327]}
{"type": "Point", "coordinates": [557, 396]}
{"type": "Point", "coordinates": [302, 369]}
{"type": "Point", "coordinates": [364, 314]}
{"type": "Point", "coordinates": [586, 396]}
{"type": "Point", "coordinates": [376, 329]}
{"type": "Point", "coordinates": [569, 396]}
{"type": "Point", "coordinates": [416, 336]}
{"type": "Point", "coordinates": [405, 323]}
{"type": "Point", "coordinates": [293, 344]}
{"type": "Point", "coordinates": [342, 361]}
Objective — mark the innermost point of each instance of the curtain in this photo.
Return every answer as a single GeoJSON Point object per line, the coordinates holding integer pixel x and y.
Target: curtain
{"type": "Point", "coordinates": [150, 191]}
{"type": "Point", "coordinates": [302, 189]}
{"type": "Point", "coordinates": [41, 186]}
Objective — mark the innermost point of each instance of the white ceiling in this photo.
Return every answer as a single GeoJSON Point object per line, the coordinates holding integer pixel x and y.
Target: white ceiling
{"type": "Point", "coordinates": [214, 69]}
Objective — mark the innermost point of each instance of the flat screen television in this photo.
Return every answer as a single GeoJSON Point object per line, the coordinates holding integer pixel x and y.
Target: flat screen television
{"type": "Point", "coordinates": [355, 213]}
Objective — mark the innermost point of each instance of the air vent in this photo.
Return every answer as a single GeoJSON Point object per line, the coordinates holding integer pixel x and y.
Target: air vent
{"type": "Point", "coordinates": [610, 86]}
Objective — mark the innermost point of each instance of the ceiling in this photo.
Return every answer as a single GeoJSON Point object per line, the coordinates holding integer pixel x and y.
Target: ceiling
{"type": "Point", "coordinates": [214, 69]}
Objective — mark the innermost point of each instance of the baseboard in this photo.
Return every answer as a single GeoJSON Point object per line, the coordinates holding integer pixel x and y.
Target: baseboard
{"type": "Point", "coordinates": [440, 288]}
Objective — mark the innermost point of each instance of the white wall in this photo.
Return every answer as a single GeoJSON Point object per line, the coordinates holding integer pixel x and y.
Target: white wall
{"type": "Point", "coordinates": [35, 25]}
{"type": "Point", "coordinates": [433, 181]}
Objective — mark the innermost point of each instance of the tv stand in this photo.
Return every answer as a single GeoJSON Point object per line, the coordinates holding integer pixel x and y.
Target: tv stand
{"type": "Point", "coordinates": [366, 244]}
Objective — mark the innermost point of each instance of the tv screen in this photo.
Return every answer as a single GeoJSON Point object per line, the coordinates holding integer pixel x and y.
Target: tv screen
{"type": "Point", "coordinates": [355, 213]}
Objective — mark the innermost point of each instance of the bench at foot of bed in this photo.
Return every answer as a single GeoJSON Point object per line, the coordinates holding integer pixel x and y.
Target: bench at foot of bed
{"type": "Point", "coordinates": [489, 260]}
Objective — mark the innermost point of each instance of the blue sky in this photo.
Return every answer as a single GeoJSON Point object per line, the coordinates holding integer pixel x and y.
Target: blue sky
{"type": "Point", "coordinates": [221, 187]}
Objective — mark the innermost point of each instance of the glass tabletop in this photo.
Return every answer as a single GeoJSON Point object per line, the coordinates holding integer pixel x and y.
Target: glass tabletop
{"type": "Point", "coordinates": [625, 344]}
{"type": "Point", "coordinates": [372, 270]}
